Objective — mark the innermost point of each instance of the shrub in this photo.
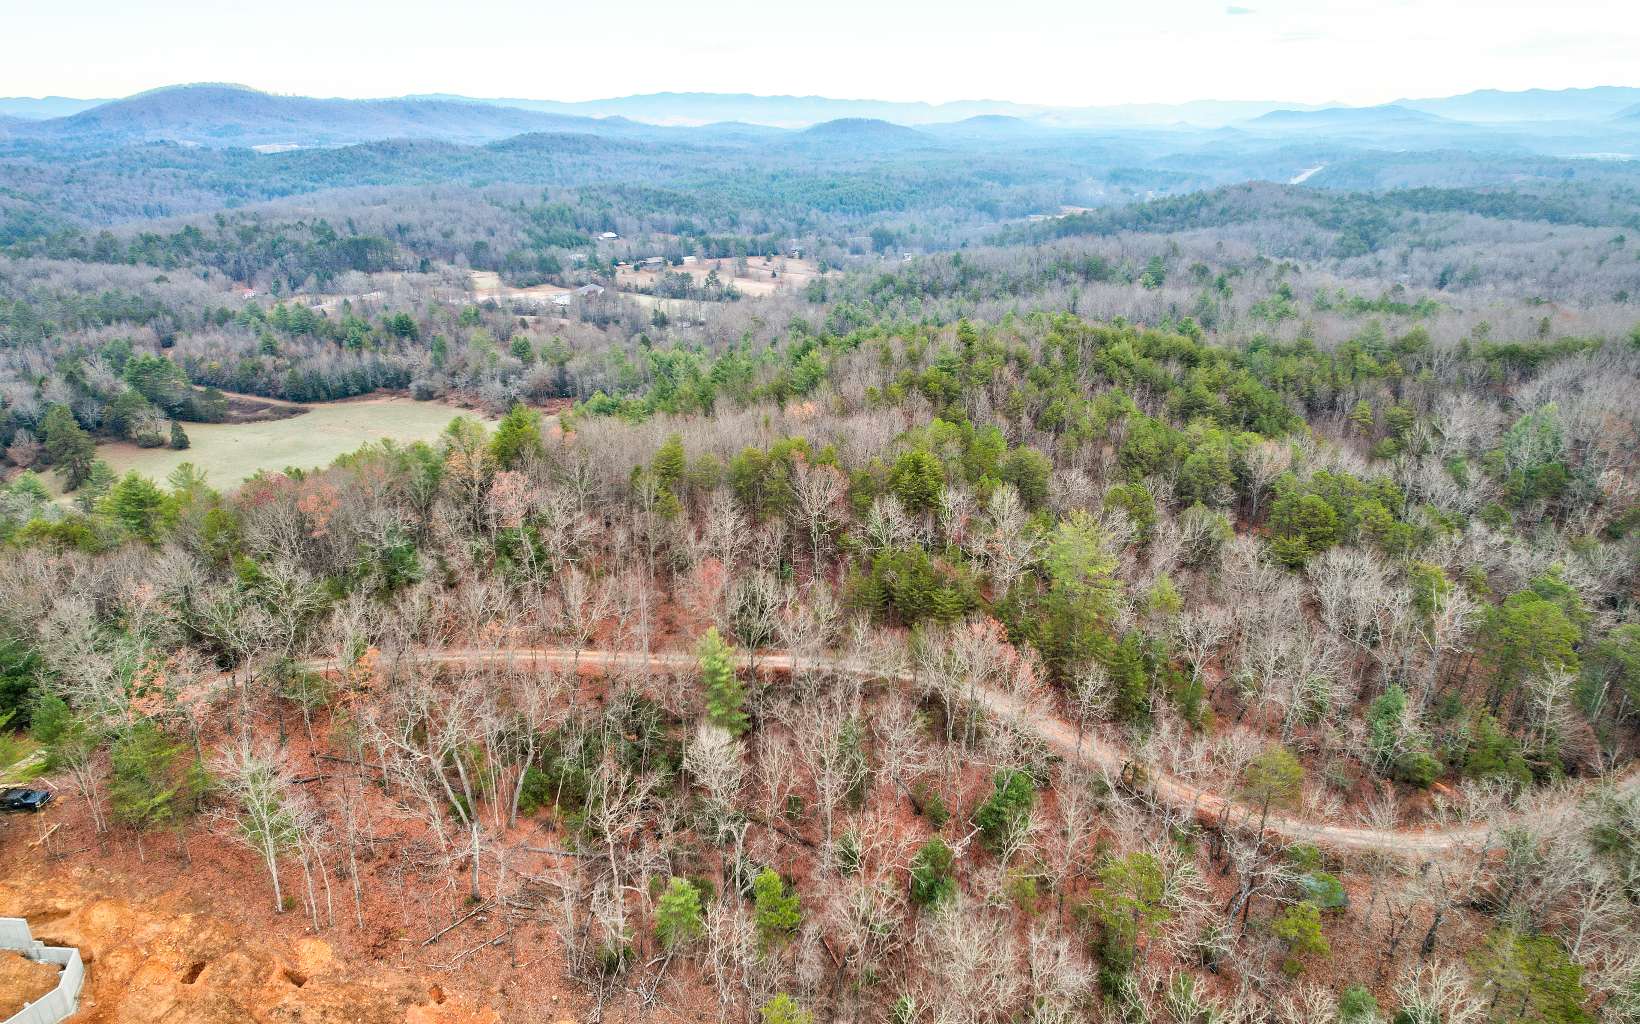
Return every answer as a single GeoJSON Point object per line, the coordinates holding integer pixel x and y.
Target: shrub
{"type": "Point", "coordinates": [1299, 928]}
{"type": "Point", "coordinates": [1001, 817]}
{"type": "Point", "coordinates": [930, 804]}
{"type": "Point", "coordinates": [536, 791]}
{"type": "Point", "coordinates": [678, 916]}
{"type": "Point", "coordinates": [783, 1009]}
{"type": "Point", "coordinates": [778, 912]}
{"type": "Point", "coordinates": [1324, 890]}
{"type": "Point", "coordinates": [931, 881]}
{"type": "Point", "coordinates": [1357, 1006]}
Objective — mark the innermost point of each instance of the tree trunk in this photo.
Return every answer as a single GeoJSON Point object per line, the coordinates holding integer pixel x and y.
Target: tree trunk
{"type": "Point", "coordinates": [1428, 947]}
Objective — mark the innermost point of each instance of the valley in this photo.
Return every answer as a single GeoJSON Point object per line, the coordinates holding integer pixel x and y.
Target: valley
{"type": "Point", "coordinates": [694, 557]}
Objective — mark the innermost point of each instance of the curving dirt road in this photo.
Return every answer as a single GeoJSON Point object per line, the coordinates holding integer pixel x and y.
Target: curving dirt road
{"type": "Point", "coordinates": [1060, 735]}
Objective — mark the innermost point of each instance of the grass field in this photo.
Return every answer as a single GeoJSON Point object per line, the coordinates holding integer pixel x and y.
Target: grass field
{"type": "Point", "coordinates": [230, 452]}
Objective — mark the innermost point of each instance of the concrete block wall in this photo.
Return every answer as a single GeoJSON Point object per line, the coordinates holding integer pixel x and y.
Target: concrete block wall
{"type": "Point", "coordinates": [61, 1001]}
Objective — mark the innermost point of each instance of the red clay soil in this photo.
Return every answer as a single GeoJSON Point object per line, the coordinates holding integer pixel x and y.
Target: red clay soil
{"type": "Point", "coordinates": [23, 981]}
{"type": "Point", "coordinates": [157, 952]}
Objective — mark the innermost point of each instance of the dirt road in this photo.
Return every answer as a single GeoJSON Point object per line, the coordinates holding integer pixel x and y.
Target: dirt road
{"type": "Point", "coordinates": [1059, 734]}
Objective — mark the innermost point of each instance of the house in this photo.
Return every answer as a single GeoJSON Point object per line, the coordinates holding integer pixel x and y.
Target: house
{"type": "Point", "coordinates": [652, 261]}
{"type": "Point", "coordinates": [689, 261]}
{"type": "Point", "coordinates": [590, 289]}
{"type": "Point", "coordinates": [609, 236]}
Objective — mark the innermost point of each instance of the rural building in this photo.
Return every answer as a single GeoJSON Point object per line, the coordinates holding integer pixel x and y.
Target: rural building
{"type": "Point", "coordinates": [590, 289]}
{"type": "Point", "coordinates": [609, 236]}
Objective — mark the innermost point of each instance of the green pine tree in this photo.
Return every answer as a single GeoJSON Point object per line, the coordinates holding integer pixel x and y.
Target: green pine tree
{"type": "Point", "coordinates": [778, 911]}
{"type": "Point", "coordinates": [1531, 978]}
{"type": "Point", "coordinates": [1299, 928]}
{"type": "Point", "coordinates": [724, 694]}
{"type": "Point", "coordinates": [517, 438]}
{"type": "Point", "coordinates": [1275, 777]}
{"type": "Point", "coordinates": [136, 503]}
{"type": "Point", "coordinates": [678, 915]}
{"type": "Point", "coordinates": [68, 446]}
{"type": "Point", "coordinates": [1008, 810]}
{"type": "Point", "coordinates": [147, 776]}
{"type": "Point", "coordinates": [931, 881]}
{"type": "Point", "coordinates": [1131, 905]}
{"type": "Point", "coordinates": [670, 463]}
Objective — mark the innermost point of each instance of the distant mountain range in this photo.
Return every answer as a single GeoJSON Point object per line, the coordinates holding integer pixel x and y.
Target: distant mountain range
{"type": "Point", "coordinates": [216, 115]}
{"type": "Point", "coordinates": [1530, 105]}
{"type": "Point", "coordinates": [693, 109]}
{"type": "Point", "coordinates": [38, 108]}
{"type": "Point", "coordinates": [699, 108]}
{"type": "Point", "coordinates": [1389, 115]}
{"type": "Point", "coordinates": [228, 115]}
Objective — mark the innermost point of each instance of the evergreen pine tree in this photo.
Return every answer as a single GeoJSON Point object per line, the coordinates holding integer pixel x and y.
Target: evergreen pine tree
{"type": "Point", "coordinates": [677, 916]}
{"type": "Point", "coordinates": [517, 437]}
{"type": "Point", "coordinates": [778, 913]}
{"type": "Point", "coordinates": [68, 446]}
{"type": "Point", "coordinates": [724, 694]}
{"type": "Point", "coordinates": [145, 777]}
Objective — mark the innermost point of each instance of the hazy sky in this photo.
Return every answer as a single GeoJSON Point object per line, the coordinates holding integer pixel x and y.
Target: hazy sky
{"type": "Point", "coordinates": [1043, 51]}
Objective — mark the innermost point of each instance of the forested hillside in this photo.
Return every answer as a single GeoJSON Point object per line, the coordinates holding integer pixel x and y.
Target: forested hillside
{"type": "Point", "coordinates": [906, 577]}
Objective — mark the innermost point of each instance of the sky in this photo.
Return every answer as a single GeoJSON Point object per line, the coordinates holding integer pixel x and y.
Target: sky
{"type": "Point", "coordinates": [1051, 52]}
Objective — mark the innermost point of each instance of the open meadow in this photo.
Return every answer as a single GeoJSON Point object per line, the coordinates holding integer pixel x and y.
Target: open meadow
{"type": "Point", "coordinates": [228, 453]}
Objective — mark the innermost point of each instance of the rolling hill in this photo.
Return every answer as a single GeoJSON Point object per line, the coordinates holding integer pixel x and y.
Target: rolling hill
{"type": "Point", "coordinates": [862, 135]}
{"type": "Point", "coordinates": [228, 115]}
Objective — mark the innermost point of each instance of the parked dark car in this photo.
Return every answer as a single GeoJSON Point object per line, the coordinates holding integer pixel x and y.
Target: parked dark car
{"type": "Point", "coordinates": [23, 799]}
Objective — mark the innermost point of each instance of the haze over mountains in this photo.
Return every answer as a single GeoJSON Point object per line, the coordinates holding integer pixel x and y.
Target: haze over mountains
{"type": "Point", "coordinates": [190, 149]}
{"type": "Point", "coordinates": [214, 114]}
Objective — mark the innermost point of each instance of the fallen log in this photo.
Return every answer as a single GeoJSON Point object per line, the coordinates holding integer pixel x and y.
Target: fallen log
{"type": "Point", "coordinates": [487, 904]}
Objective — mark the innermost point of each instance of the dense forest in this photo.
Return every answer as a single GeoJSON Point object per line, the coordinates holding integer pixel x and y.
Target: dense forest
{"type": "Point", "coordinates": [1216, 607]}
